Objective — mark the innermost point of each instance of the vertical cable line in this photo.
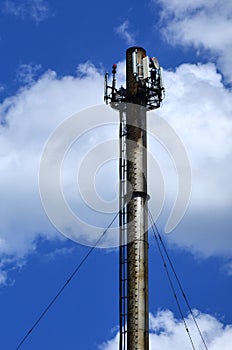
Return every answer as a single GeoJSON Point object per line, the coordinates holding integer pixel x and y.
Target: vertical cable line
{"type": "Point", "coordinates": [65, 284]}
{"type": "Point", "coordinates": [157, 235]}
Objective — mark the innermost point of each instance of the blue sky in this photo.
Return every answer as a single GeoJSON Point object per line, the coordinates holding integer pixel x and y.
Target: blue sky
{"type": "Point", "coordinates": [53, 58]}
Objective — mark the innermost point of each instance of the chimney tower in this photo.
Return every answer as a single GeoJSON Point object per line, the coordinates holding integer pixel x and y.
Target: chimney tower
{"type": "Point", "coordinates": [144, 91]}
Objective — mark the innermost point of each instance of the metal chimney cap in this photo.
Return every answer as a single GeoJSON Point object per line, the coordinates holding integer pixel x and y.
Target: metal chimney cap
{"type": "Point", "coordinates": [133, 48]}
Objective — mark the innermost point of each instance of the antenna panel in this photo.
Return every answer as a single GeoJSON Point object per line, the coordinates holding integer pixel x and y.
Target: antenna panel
{"type": "Point", "coordinates": [156, 62]}
{"type": "Point", "coordinates": [146, 71]}
{"type": "Point", "coordinates": [134, 63]}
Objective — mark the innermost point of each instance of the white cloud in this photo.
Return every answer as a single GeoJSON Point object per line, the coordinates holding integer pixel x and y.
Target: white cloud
{"type": "Point", "coordinates": [35, 9]}
{"type": "Point", "coordinates": [1, 88]}
{"type": "Point", "coordinates": [204, 25]}
{"type": "Point", "coordinates": [198, 107]}
{"type": "Point", "coordinates": [111, 344]}
{"type": "Point", "coordinates": [124, 32]}
{"type": "Point", "coordinates": [31, 115]}
{"type": "Point", "coordinates": [27, 73]}
{"type": "Point", "coordinates": [168, 332]}
{"type": "Point", "coordinates": [58, 252]}
{"type": "Point", "coordinates": [8, 264]}
{"type": "Point", "coordinates": [3, 278]}
{"type": "Point", "coordinates": [227, 268]}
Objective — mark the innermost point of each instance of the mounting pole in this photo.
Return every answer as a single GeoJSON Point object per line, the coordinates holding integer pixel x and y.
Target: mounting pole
{"type": "Point", "coordinates": [144, 91]}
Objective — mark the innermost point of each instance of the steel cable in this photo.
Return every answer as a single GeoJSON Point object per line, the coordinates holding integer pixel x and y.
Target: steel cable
{"type": "Point", "coordinates": [157, 234]}
{"type": "Point", "coordinates": [65, 284]}
{"type": "Point", "coordinates": [171, 283]}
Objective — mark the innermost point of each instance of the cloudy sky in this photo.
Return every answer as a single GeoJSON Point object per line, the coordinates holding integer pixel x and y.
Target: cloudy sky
{"type": "Point", "coordinates": [53, 58]}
